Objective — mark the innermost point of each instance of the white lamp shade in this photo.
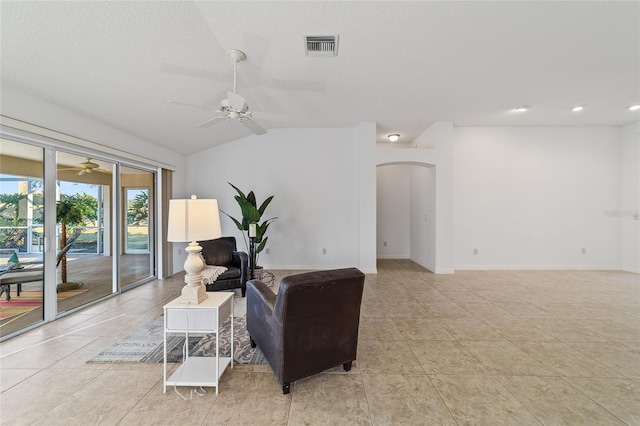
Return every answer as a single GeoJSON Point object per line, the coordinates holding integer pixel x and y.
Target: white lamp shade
{"type": "Point", "coordinates": [193, 220]}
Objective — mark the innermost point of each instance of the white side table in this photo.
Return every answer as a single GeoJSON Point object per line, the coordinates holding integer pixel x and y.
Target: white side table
{"type": "Point", "coordinates": [206, 317]}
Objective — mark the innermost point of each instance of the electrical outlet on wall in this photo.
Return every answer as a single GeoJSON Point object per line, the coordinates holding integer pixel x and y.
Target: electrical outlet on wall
{"type": "Point", "coordinates": [584, 250]}
{"type": "Point", "coordinates": [267, 250]}
{"type": "Point", "coordinates": [324, 251]}
{"type": "Point", "coordinates": [475, 252]}
{"type": "Point", "coordinates": [384, 243]}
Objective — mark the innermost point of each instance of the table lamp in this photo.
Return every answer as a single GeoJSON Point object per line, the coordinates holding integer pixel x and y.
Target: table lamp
{"type": "Point", "coordinates": [193, 220]}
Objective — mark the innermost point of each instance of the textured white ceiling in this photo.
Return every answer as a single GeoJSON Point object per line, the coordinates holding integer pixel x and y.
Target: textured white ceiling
{"type": "Point", "coordinates": [403, 65]}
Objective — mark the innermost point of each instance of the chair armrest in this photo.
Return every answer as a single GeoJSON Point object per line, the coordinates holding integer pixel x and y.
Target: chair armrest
{"type": "Point", "coordinates": [263, 293]}
{"type": "Point", "coordinates": [240, 259]}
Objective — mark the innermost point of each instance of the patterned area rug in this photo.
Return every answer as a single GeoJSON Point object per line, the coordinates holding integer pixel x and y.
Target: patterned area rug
{"type": "Point", "coordinates": [146, 343]}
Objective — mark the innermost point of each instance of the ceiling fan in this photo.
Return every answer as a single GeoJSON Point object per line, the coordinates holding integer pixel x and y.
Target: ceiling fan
{"type": "Point", "coordinates": [86, 167]}
{"type": "Point", "coordinates": [235, 107]}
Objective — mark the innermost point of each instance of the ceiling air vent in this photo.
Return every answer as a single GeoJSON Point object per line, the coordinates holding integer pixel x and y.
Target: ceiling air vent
{"type": "Point", "coordinates": [321, 45]}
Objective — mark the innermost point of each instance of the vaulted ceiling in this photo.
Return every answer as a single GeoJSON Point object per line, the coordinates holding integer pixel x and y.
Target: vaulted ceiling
{"type": "Point", "coordinates": [403, 65]}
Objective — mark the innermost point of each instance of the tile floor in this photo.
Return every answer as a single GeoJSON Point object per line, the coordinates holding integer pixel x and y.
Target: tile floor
{"type": "Point", "coordinates": [481, 347]}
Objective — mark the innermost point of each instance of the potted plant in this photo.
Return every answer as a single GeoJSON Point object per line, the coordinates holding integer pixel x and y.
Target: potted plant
{"type": "Point", "coordinates": [251, 216]}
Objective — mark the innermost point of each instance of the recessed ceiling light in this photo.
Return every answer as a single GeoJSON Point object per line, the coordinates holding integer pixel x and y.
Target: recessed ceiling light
{"type": "Point", "coordinates": [577, 108]}
{"type": "Point", "coordinates": [634, 107]}
{"type": "Point", "coordinates": [393, 137]}
{"type": "Point", "coordinates": [521, 109]}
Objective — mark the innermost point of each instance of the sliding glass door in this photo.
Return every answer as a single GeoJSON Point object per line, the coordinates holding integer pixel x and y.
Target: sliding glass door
{"type": "Point", "coordinates": [137, 261]}
{"type": "Point", "coordinates": [84, 222]}
{"type": "Point", "coordinates": [21, 236]}
{"type": "Point", "coordinates": [100, 237]}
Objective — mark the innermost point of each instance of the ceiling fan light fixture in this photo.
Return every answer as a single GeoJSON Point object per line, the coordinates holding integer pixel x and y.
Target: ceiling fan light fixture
{"type": "Point", "coordinates": [521, 109]}
{"type": "Point", "coordinates": [577, 108]}
{"type": "Point", "coordinates": [393, 137]}
{"type": "Point", "coordinates": [634, 107]}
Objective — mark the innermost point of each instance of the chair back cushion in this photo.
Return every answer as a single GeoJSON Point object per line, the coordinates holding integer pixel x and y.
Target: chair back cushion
{"type": "Point", "coordinates": [218, 251]}
{"type": "Point", "coordinates": [320, 314]}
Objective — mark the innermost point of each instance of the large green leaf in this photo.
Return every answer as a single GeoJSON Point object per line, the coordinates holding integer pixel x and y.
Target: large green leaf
{"type": "Point", "coordinates": [264, 205]}
{"type": "Point", "coordinates": [238, 224]}
{"type": "Point", "coordinates": [261, 245]}
{"type": "Point", "coordinates": [240, 193]}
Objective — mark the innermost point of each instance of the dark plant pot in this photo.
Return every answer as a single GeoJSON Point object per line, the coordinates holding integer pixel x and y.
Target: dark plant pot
{"type": "Point", "coordinates": [257, 272]}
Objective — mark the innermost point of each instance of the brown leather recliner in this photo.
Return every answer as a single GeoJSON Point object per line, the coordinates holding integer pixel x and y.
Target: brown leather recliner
{"type": "Point", "coordinates": [310, 326]}
{"type": "Point", "coordinates": [222, 252]}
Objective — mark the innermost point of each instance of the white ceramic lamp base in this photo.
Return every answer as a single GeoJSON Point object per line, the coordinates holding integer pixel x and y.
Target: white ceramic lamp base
{"type": "Point", "coordinates": [194, 292]}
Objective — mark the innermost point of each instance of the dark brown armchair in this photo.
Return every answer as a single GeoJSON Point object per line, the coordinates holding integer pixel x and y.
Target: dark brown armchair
{"type": "Point", "coordinates": [310, 326]}
{"type": "Point", "coordinates": [222, 252]}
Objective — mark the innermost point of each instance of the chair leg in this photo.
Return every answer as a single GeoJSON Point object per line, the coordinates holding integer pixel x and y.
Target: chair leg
{"type": "Point", "coordinates": [286, 388]}
{"type": "Point", "coordinates": [5, 289]}
{"type": "Point", "coordinates": [19, 288]}
{"type": "Point", "coordinates": [252, 343]}
{"type": "Point", "coordinates": [347, 366]}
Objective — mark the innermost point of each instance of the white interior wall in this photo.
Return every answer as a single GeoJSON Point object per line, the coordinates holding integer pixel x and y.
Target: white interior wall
{"type": "Point", "coordinates": [629, 213]}
{"type": "Point", "coordinates": [423, 216]}
{"type": "Point", "coordinates": [313, 176]}
{"type": "Point", "coordinates": [393, 211]}
{"type": "Point", "coordinates": [534, 197]}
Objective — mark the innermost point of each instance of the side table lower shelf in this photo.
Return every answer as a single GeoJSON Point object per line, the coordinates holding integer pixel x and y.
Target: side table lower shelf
{"type": "Point", "coordinates": [199, 371]}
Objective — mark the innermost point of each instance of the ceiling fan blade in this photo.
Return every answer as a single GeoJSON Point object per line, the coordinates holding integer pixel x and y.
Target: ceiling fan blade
{"type": "Point", "coordinates": [235, 101]}
{"type": "Point", "coordinates": [253, 126]}
{"type": "Point", "coordinates": [191, 105]}
{"type": "Point", "coordinates": [211, 122]}
{"type": "Point", "coordinates": [269, 116]}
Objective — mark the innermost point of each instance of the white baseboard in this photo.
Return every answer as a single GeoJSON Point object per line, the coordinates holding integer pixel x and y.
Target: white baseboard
{"type": "Point", "coordinates": [537, 267]}
{"type": "Point", "coordinates": [635, 270]}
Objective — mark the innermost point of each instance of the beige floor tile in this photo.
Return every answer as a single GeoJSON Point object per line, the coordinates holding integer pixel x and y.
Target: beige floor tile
{"type": "Point", "coordinates": [159, 408]}
{"type": "Point", "coordinates": [470, 329]}
{"type": "Point", "coordinates": [9, 377]}
{"type": "Point", "coordinates": [329, 399]}
{"type": "Point", "coordinates": [396, 399]}
{"type": "Point", "coordinates": [616, 356]}
{"type": "Point", "coordinates": [404, 308]}
{"type": "Point", "coordinates": [516, 330]}
{"type": "Point", "coordinates": [619, 396]}
{"type": "Point", "coordinates": [250, 399]}
{"type": "Point", "coordinates": [481, 400]}
{"type": "Point", "coordinates": [378, 329]}
{"type": "Point", "coordinates": [105, 401]}
{"type": "Point", "coordinates": [568, 330]}
{"type": "Point", "coordinates": [503, 357]}
{"type": "Point", "coordinates": [32, 399]}
{"type": "Point", "coordinates": [46, 353]}
{"type": "Point", "coordinates": [446, 311]}
{"type": "Point", "coordinates": [445, 357]}
{"type": "Point", "coordinates": [387, 357]}
{"type": "Point", "coordinates": [422, 329]}
{"type": "Point", "coordinates": [554, 401]}
{"type": "Point", "coordinates": [369, 309]}
{"type": "Point", "coordinates": [565, 360]}
{"type": "Point", "coordinates": [486, 310]}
